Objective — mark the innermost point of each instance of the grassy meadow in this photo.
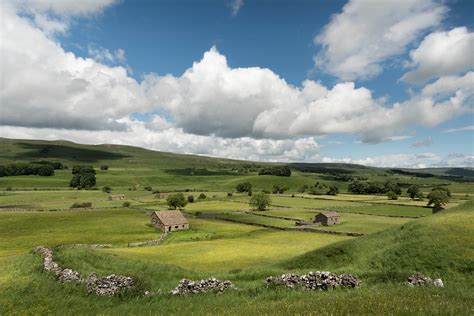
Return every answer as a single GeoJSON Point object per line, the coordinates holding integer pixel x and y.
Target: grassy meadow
{"type": "Point", "coordinates": [223, 240]}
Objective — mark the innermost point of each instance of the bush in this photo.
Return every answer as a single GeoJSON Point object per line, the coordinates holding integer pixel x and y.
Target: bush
{"type": "Point", "coordinates": [243, 187]}
{"type": "Point", "coordinates": [202, 196]}
{"type": "Point", "coordinates": [106, 189]}
{"type": "Point", "coordinates": [190, 198]}
{"type": "Point", "coordinates": [260, 201]}
{"type": "Point", "coordinates": [82, 205]}
{"type": "Point", "coordinates": [126, 204]}
{"type": "Point", "coordinates": [198, 213]}
{"type": "Point", "coordinates": [230, 194]}
{"type": "Point", "coordinates": [104, 167]}
{"type": "Point", "coordinates": [148, 189]}
{"type": "Point", "coordinates": [175, 201]}
{"type": "Point", "coordinates": [419, 196]}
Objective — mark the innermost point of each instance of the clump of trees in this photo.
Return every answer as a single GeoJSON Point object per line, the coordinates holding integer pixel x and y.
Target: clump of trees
{"type": "Point", "coordinates": [260, 201]}
{"type": "Point", "coordinates": [279, 188]}
{"type": "Point", "coordinates": [244, 187]}
{"type": "Point", "coordinates": [439, 197]}
{"type": "Point", "coordinates": [176, 201]}
{"type": "Point", "coordinates": [281, 171]}
{"type": "Point", "coordinates": [362, 187]}
{"type": "Point", "coordinates": [83, 177]}
{"type": "Point", "coordinates": [26, 169]}
{"type": "Point", "coordinates": [318, 189]}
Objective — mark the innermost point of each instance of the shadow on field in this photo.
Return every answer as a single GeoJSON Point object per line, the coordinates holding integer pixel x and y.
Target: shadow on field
{"type": "Point", "coordinates": [66, 152]}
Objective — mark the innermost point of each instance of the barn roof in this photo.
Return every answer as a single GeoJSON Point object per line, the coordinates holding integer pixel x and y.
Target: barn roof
{"type": "Point", "coordinates": [170, 218]}
{"type": "Point", "coordinates": [330, 214]}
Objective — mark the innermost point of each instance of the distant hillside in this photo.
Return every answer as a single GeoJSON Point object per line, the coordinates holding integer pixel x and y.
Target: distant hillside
{"type": "Point", "coordinates": [69, 153]}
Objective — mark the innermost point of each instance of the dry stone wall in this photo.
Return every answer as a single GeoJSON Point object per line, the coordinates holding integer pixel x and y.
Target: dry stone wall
{"type": "Point", "coordinates": [315, 281]}
{"type": "Point", "coordinates": [186, 286]}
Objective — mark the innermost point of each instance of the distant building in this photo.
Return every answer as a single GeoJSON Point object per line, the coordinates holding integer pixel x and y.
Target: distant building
{"type": "Point", "coordinates": [327, 218]}
{"type": "Point", "coordinates": [169, 220]}
{"type": "Point", "coordinates": [116, 197]}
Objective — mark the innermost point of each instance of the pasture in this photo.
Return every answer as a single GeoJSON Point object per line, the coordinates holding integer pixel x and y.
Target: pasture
{"type": "Point", "coordinates": [224, 240]}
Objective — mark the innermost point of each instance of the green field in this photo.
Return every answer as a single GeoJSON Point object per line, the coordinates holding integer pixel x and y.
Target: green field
{"type": "Point", "coordinates": [36, 211]}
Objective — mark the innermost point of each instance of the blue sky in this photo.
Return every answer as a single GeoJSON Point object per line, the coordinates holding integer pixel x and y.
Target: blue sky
{"type": "Point", "coordinates": [386, 83]}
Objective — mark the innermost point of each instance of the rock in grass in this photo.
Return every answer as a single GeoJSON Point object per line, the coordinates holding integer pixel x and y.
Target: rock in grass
{"type": "Point", "coordinates": [315, 280]}
{"type": "Point", "coordinates": [108, 286]}
{"type": "Point", "coordinates": [419, 279]}
{"type": "Point", "coordinates": [186, 286]}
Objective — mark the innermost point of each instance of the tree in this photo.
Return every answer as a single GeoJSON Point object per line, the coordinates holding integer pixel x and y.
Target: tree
{"type": "Point", "coordinates": [87, 181]}
{"type": "Point", "coordinates": [279, 188]}
{"type": "Point", "coordinates": [175, 201]}
{"type": "Point", "coordinates": [260, 201]}
{"type": "Point", "coordinates": [202, 196]}
{"type": "Point", "coordinates": [393, 186]}
{"type": "Point", "coordinates": [281, 171]}
{"type": "Point", "coordinates": [392, 195]}
{"type": "Point", "coordinates": [104, 167]}
{"type": "Point", "coordinates": [442, 189]}
{"type": "Point", "coordinates": [419, 196]}
{"type": "Point", "coordinates": [75, 181]}
{"type": "Point", "coordinates": [438, 198]}
{"type": "Point", "coordinates": [244, 187]}
{"type": "Point", "coordinates": [358, 187]}
{"type": "Point", "coordinates": [191, 198]}
{"type": "Point", "coordinates": [333, 190]}
{"type": "Point", "coordinates": [413, 191]}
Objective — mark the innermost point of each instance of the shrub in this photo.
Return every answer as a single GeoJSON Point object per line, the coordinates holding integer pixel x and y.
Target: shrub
{"type": "Point", "coordinates": [198, 213]}
{"type": "Point", "coordinates": [148, 189]}
{"type": "Point", "coordinates": [126, 204]}
{"type": "Point", "coordinates": [202, 196]}
{"type": "Point", "coordinates": [104, 167]}
{"type": "Point", "coordinates": [260, 201]}
{"type": "Point", "coordinates": [82, 205]}
{"type": "Point", "coordinates": [175, 201]}
{"type": "Point", "coordinates": [191, 198]}
{"type": "Point", "coordinates": [106, 189]}
{"type": "Point", "coordinates": [229, 194]}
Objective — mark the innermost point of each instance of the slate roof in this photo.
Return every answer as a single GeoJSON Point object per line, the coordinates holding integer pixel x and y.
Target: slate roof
{"type": "Point", "coordinates": [171, 218]}
{"type": "Point", "coordinates": [330, 214]}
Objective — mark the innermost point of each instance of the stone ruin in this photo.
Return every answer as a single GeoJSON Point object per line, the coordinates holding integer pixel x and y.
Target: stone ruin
{"type": "Point", "coordinates": [315, 281]}
{"type": "Point", "coordinates": [109, 285]}
{"type": "Point", "coordinates": [419, 279]}
{"type": "Point", "coordinates": [186, 286]}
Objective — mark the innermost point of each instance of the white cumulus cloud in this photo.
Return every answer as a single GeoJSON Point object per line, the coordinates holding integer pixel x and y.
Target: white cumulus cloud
{"type": "Point", "coordinates": [358, 40]}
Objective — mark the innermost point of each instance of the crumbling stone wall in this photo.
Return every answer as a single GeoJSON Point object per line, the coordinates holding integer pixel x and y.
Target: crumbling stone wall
{"type": "Point", "coordinates": [315, 281]}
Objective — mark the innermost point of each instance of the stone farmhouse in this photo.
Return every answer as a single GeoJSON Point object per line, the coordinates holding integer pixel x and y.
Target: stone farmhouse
{"type": "Point", "coordinates": [169, 220]}
{"type": "Point", "coordinates": [327, 218]}
{"type": "Point", "coordinates": [116, 197]}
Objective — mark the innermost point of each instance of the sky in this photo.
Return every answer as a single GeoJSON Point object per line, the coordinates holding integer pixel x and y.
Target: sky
{"type": "Point", "coordinates": [382, 83]}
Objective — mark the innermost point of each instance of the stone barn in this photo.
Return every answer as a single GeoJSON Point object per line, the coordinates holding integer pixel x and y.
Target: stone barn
{"type": "Point", "coordinates": [116, 197]}
{"type": "Point", "coordinates": [169, 220]}
{"type": "Point", "coordinates": [327, 218]}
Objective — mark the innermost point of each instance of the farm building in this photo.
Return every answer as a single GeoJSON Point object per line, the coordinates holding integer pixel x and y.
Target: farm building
{"type": "Point", "coordinates": [169, 220]}
{"type": "Point", "coordinates": [116, 197]}
{"type": "Point", "coordinates": [327, 218]}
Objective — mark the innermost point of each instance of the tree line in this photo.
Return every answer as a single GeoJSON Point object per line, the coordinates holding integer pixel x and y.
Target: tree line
{"type": "Point", "coordinates": [39, 168]}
